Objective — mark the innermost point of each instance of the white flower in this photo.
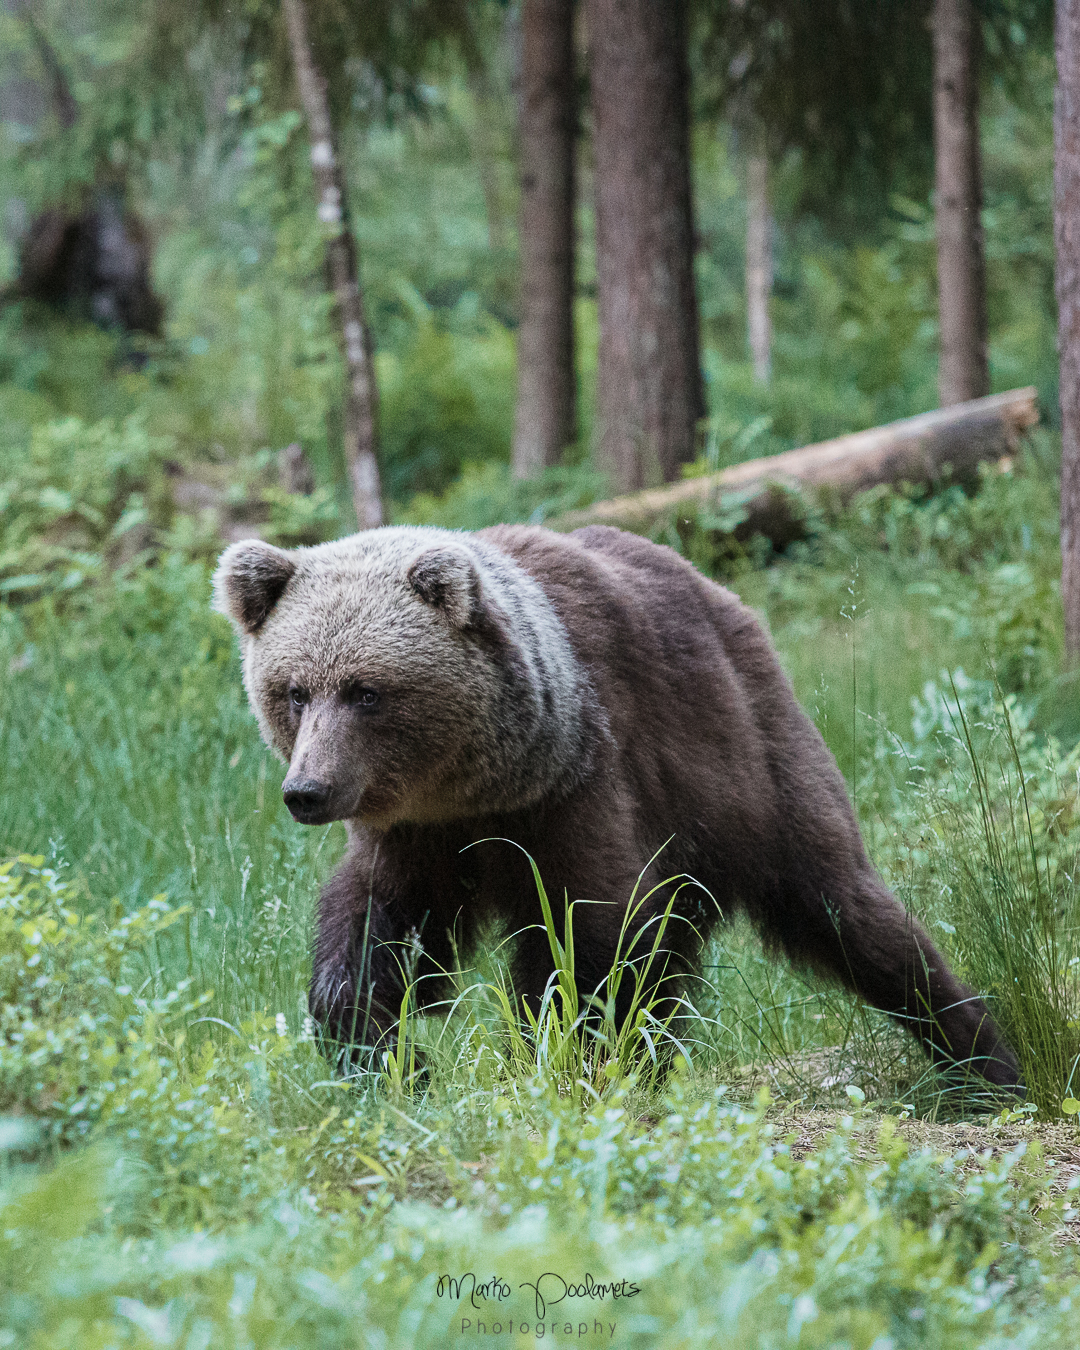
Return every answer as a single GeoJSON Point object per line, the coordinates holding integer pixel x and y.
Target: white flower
{"type": "Point", "coordinates": [281, 1025]}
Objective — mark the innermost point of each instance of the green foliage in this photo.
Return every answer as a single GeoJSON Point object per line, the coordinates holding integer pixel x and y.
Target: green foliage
{"type": "Point", "coordinates": [131, 88]}
{"type": "Point", "coordinates": [847, 88]}
{"type": "Point", "coordinates": [71, 494]}
{"type": "Point", "coordinates": [902, 576]}
{"type": "Point", "coordinates": [853, 310]}
{"type": "Point", "coordinates": [487, 494]}
{"type": "Point", "coordinates": [203, 1208]}
{"type": "Point", "coordinates": [81, 499]}
{"type": "Point", "coordinates": [1014, 899]}
{"type": "Point", "coordinates": [579, 1046]}
{"type": "Point", "coordinates": [73, 1031]}
{"type": "Point", "coordinates": [445, 401]}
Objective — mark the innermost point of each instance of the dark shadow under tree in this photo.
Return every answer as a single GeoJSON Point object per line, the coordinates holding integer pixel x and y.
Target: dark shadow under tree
{"type": "Point", "coordinates": [90, 256]}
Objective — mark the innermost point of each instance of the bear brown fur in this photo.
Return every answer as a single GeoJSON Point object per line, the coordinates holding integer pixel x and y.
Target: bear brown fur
{"type": "Point", "coordinates": [594, 699]}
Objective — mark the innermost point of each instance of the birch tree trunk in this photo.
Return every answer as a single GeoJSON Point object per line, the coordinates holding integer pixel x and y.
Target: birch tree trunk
{"type": "Point", "coordinates": [1067, 279]}
{"type": "Point", "coordinates": [963, 372]}
{"type": "Point", "coordinates": [759, 272]}
{"type": "Point", "coordinates": [544, 419]}
{"type": "Point", "coordinates": [649, 394]}
{"type": "Point", "coordinates": [361, 394]}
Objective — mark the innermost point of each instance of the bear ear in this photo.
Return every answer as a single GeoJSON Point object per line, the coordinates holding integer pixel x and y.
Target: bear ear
{"type": "Point", "coordinates": [447, 579]}
{"type": "Point", "coordinates": [249, 580]}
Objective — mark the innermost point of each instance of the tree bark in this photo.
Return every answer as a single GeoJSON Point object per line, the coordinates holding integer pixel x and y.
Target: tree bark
{"type": "Point", "coordinates": [1067, 280]}
{"type": "Point", "coordinates": [649, 395]}
{"type": "Point", "coordinates": [759, 273]}
{"type": "Point", "coordinates": [963, 372]}
{"type": "Point", "coordinates": [763, 496]}
{"type": "Point", "coordinates": [361, 394]}
{"type": "Point", "coordinates": [545, 416]}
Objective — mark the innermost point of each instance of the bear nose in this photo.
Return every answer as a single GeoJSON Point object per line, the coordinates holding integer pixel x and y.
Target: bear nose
{"type": "Point", "coordinates": [306, 798]}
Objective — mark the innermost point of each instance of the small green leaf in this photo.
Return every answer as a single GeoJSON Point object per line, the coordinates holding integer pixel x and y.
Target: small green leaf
{"type": "Point", "coordinates": [1070, 1106]}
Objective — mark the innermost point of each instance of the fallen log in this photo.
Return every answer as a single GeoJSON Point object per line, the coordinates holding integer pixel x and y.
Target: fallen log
{"type": "Point", "coordinates": [772, 496]}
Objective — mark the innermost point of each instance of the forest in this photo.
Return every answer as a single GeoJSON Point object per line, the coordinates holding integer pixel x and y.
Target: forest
{"type": "Point", "coordinates": [789, 286]}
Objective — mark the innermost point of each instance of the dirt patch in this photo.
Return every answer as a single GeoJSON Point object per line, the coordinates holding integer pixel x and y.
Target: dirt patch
{"type": "Point", "coordinates": [971, 1145]}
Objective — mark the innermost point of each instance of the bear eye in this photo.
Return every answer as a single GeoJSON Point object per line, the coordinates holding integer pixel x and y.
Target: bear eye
{"type": "Point", "coordinates": [298, 698]}
{"type": "Point", "coordinates": [357, 696]}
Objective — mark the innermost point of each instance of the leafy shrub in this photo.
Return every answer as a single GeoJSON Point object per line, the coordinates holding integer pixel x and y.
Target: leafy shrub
{"type": "Point", "coordinates": [446, 399]}
{"type": "Point", "coordinates": [87, 1052]}
{"type": "Point", "coordinates": [1012, 515]}
{"type": "Point", "coordinates": [75, 1035]}
{"type": "Point", "coordinates": [69, 492]}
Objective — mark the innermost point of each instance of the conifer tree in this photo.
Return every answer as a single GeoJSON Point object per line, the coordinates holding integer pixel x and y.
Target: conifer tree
{"type": "Point", "coordinates": [649, 396]}
{"type": "Point", "coordinates": [544, 421]}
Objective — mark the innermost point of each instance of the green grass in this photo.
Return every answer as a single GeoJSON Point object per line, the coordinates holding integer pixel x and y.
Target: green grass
{"type": "Point", "coordinates": [182, 1166]}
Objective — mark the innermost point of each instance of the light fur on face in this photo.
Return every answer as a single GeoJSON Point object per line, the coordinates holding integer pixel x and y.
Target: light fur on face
{"type": "Point", "coordinates": [480, 697]}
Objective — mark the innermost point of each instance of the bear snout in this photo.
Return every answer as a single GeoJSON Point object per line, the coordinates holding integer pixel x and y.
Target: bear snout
{"type": "Point", "coordinates": [308, 800]}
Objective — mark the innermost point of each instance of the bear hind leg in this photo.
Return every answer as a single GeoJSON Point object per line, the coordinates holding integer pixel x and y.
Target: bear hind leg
{"type": "Point", "coordinates": [872, 945]}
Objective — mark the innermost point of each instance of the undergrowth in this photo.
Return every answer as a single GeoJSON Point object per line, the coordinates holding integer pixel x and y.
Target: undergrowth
{"type": "Point", "coordinates": [227, 1194]}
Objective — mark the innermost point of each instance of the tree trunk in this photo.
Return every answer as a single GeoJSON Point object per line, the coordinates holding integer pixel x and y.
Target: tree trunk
{"type": "Point", "coordinates": [758, 264]}
{"type": "Point", "coordinates": [962, 361]}
{"type": "Point", "coordinates": [544, 421]}
{"type": "Point", "coordinates": [1067, 275]}
{"type": "Point", "coordinates": [361, 394]}
{"type": "Point", "coordinates": [766, 496]}
{"type": "Point", "coordinates": [649, 395]}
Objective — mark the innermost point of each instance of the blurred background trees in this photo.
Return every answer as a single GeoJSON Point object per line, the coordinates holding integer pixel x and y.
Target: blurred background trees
{"type": "Point", "coordinates": [649, 389]}
{"type": "Point", "coordinates": [963, 369]}
{"type": "Point", "coordinates": [592, 239]}
{"type": "Point", "coordinates": [545, 419]}
{"type": "Point", "coordinates": [359, 432]}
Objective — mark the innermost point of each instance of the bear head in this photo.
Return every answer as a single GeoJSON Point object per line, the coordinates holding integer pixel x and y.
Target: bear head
{"type": "Point", "coordinates": [403, 674]}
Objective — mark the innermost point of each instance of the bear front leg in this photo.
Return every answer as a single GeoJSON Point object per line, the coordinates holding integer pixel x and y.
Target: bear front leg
{"type": "Point", "coordinates": [371, 938]}
{"type": "Point", "coordinates": [598, 941]}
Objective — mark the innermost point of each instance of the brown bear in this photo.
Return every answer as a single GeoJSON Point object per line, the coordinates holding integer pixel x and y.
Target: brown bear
{"type": "Point", "coordinates": [594, 699]}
